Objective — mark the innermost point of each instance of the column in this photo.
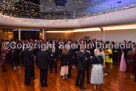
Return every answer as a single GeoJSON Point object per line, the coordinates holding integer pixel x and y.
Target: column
{"type": "Point", "coordinates": [103, 34]}
{"type": "Point", "coordinates": [19, 34]}
{"type": "Point", "coordinates": [43, 34]}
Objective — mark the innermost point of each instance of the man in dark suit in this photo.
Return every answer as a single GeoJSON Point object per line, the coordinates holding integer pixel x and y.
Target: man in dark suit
{"type": "Point", "coordinates": [53, 59]}
{"type": "Point", "coordinates": [88, 55]}
{"type": "Point", "coordinates": [43, 60]}
{"type": "Point", "coordinates": [71, 60]}
{"type": "Point", "coordinates": [81, 65]}
{"type": "Point", "coordinates": [29, 64]}
{"type": "Point", "coordinates": [115, 56]}
{"type": "Point", "coordinates": [126, 56]}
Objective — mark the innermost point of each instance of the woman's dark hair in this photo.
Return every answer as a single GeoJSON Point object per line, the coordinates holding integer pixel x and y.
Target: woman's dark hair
{"type": "Point", "coordinates": [123, 50]}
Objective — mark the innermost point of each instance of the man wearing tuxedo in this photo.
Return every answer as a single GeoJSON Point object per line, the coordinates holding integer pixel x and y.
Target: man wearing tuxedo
{"type": "Point", "coordinates": [88, 55]}
{"type": "Point", "coordinates": [43, 61]}
{"type": "Point", "coordinates": [71, 60]}
{"type": "Point", "coordinates": [29, 64]}
{"type": "Point", "coordinates": [53, 59]}
{"type": "Point", "coordinates": [81, 65]}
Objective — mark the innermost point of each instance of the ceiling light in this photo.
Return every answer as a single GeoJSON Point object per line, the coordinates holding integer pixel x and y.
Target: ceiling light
{"type": "Point", "coordinates": [87, 30]}
{"type": "Point", "coordinates": [121, 27]}
{"type": "Point", "coordinates": [76, 30]}
{"type": "Point", "coordinates": [58, 31]}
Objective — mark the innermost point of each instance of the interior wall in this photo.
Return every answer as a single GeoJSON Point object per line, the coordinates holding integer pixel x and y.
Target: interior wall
{"type": "Point", "coordinates": [1, 35]}
{"type": "Point", "coordinates": [75, 36]}
{"type": "Point", "coordinates": [92, 35]}
{"type": "Point", "coordinates": [112, 35]}
{"type": "Point", "coordinates": [58, 35]}
{"type": "Point", "coordinates": [120, 35]}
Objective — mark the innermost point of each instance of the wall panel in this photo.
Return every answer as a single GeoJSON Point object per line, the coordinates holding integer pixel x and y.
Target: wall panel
{"type": "Point", "coordinates": [112, 35]}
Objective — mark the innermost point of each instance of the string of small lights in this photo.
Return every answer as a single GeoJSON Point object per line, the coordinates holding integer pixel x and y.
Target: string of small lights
{"type": "Point", "coordinates": [25, 9]}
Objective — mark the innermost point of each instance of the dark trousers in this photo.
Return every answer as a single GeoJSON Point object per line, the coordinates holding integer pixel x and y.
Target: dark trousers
{"type": "Point", "coordinates": [4, 67]}
{"type": "Point", "coordinates": [22, 61]}
{"type": "Point", "coordinates": [127, 65]}
{"type": "Point", "coordinates": [33, 74]}
{"type": "Point", "coordinates": [43, 76]}
{"type": "Point", "coordinates": [69, 70]}
{"type": "Point", "coordinates": [80, 76]}
{"type": "Point", "coordinates": [53, 64]}
{"type": "Point", "coordinates": [28, 74]}
{"type": "Point", "coordinates": [87, 70]}
{"type": "Point", "coordinates": [115, 59]}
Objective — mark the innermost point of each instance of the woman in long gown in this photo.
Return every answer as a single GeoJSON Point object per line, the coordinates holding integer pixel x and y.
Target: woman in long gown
{"type": "Point", "coordinates": [123, 62]}
{"type": "Point", "coordinates": [97, 69]}
{"type": "Point", "coordinates": [131, 69]}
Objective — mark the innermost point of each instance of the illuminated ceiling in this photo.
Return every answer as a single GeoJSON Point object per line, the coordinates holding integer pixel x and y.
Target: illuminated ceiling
{"type": "Point", "coordinates": [81, 14]}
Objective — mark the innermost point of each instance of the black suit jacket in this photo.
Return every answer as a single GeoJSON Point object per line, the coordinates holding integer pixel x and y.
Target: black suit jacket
{"type": "Point", "coordinates": [28, 58]}
{"type": "Point", "coordinates": [43, 59]}
{"type": "Point", "coordinates": [35, 51]}
{"type": "Point", "coordinates": [71, 56]}
{"type": "Point", "coordinates": [81, 61]}
{"type": "Point", "coordinates": [54, 55]}
{"type": "Point", "coordinates": [88, 55]}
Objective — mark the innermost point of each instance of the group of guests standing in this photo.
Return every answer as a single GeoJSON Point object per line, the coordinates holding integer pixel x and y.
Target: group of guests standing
{"type": "Point", "coordinates": [128, 62]}
{"type": "Point", "coordinates": [9, 56]}
{"type": "Point", "coordinates": [81, 57]}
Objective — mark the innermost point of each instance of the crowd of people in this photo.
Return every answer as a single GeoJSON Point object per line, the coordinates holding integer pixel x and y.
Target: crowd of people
{"type": "Point", "coordinates": [76, 53]}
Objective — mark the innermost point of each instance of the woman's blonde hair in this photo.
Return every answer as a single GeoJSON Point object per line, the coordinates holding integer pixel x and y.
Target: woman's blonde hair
{"type": "Point", "coordinates": [130, 52]}
{"type": "Point", "coordinates": [97, 52]}
{"type": "Point", "coordinates": [134, 50]}
{"type": "Point", "coordinates": [65, 51]}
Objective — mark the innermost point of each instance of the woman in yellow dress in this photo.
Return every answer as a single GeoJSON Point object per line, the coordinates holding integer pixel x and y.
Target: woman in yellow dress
{"type": "Point", "coordinates": [108, 59]}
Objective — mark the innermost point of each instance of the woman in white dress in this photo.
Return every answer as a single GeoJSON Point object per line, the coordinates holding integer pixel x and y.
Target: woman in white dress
{"type": "Point", "coordinates": [97, 69]}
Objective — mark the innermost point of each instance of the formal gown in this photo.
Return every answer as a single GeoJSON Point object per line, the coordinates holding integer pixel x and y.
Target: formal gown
{"type": "Point", "coordinates": [97, 70]}
{"type": "Point", "coordinates": [107, 58]}
{"type": "Point", "coordinates": [131, 68]}
{"type": "Point", "coordinates": [122, 64]}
